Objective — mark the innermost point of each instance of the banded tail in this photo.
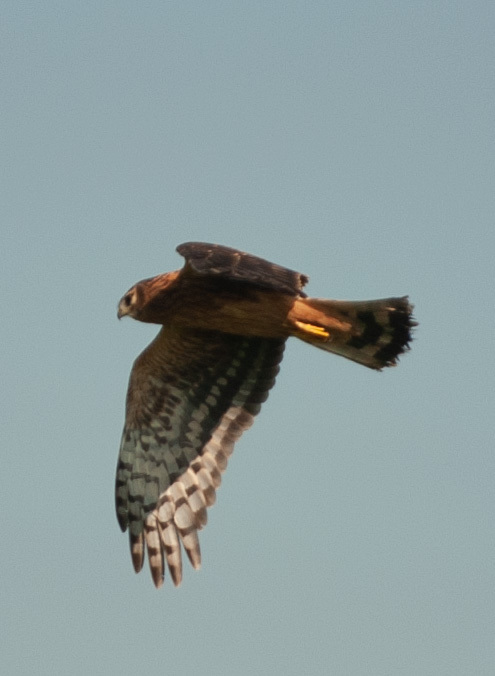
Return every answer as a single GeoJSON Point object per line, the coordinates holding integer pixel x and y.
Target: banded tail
{"type": "Point", "coordinates": [373, 333]}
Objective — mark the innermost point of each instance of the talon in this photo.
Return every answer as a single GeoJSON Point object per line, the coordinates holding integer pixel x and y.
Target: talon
{"type": "Point", "coordinates": [318, 331]}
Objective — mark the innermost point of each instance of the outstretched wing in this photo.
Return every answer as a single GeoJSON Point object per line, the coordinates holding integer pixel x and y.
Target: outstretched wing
{"type": "Point", "coordinates": [190, 397]}
{"type": "Point", "coordinates": [223, 262]}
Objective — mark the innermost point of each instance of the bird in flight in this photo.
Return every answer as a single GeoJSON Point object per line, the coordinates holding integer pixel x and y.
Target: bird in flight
{"type": "Point", "coordinates": [225, 318]}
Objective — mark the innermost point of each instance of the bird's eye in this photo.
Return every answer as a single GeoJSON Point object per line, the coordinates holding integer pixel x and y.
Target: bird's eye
{"type": "Point", "coordinates": [128, 299]}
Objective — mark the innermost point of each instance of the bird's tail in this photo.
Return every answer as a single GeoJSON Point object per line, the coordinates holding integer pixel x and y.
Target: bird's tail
{"type": "Point", "coordinates": [373, 333]}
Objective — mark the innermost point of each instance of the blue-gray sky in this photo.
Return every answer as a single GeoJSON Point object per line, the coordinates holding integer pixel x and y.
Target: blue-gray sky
{"type": "Point", "coordinates": [353, 141]}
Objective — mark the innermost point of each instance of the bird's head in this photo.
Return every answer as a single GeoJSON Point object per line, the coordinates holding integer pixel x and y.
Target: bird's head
{"type": "Point", "coordinates": [129, 304]}
{"type": "Point", "coordinates": [146, 300]}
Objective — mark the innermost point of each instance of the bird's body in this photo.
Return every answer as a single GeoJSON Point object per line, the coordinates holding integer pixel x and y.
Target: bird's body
{"type": "Point", "coordinates": [204, 303]}
{"type": "Point", "coordinates": [225, 318]}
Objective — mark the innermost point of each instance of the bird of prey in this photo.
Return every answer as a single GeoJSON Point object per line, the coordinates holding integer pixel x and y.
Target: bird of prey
{"type": "Point", "coordinates": [225, 318]}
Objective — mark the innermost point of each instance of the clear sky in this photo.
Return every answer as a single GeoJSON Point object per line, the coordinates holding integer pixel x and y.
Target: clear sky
{"type": "Point", "coordinates": [354, 141]}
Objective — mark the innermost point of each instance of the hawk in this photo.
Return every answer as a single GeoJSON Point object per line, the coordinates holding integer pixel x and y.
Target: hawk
{"type": "Point", "coordinates": [225, 318]}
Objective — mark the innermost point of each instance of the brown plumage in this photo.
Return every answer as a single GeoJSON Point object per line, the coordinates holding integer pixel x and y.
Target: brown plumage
{"type": "Point", "coordinates": [225, 318]}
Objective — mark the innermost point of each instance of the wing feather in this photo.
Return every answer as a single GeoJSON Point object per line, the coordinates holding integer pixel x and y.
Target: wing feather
{"type": "Point", "coordinates": [223, 262]}
{"type": "Point", "coordinates": [190, 397]}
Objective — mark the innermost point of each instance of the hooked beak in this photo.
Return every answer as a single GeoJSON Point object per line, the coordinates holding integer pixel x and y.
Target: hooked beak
{"type": "Point", "coordinates": [122, 311]}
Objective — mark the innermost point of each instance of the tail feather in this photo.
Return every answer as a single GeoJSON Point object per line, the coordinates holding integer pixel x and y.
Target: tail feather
{"type": "Point", "coordinates": [373, 333]}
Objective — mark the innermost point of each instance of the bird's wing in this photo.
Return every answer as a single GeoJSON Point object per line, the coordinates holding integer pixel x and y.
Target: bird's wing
{"type": "Point", "coordinates": [223, 262]}
{"type": "Point", "coordinates": [190, 397]}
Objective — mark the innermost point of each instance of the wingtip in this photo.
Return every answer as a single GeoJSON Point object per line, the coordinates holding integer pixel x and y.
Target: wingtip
{"type": "Point", "coordinates": [137, 552]}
